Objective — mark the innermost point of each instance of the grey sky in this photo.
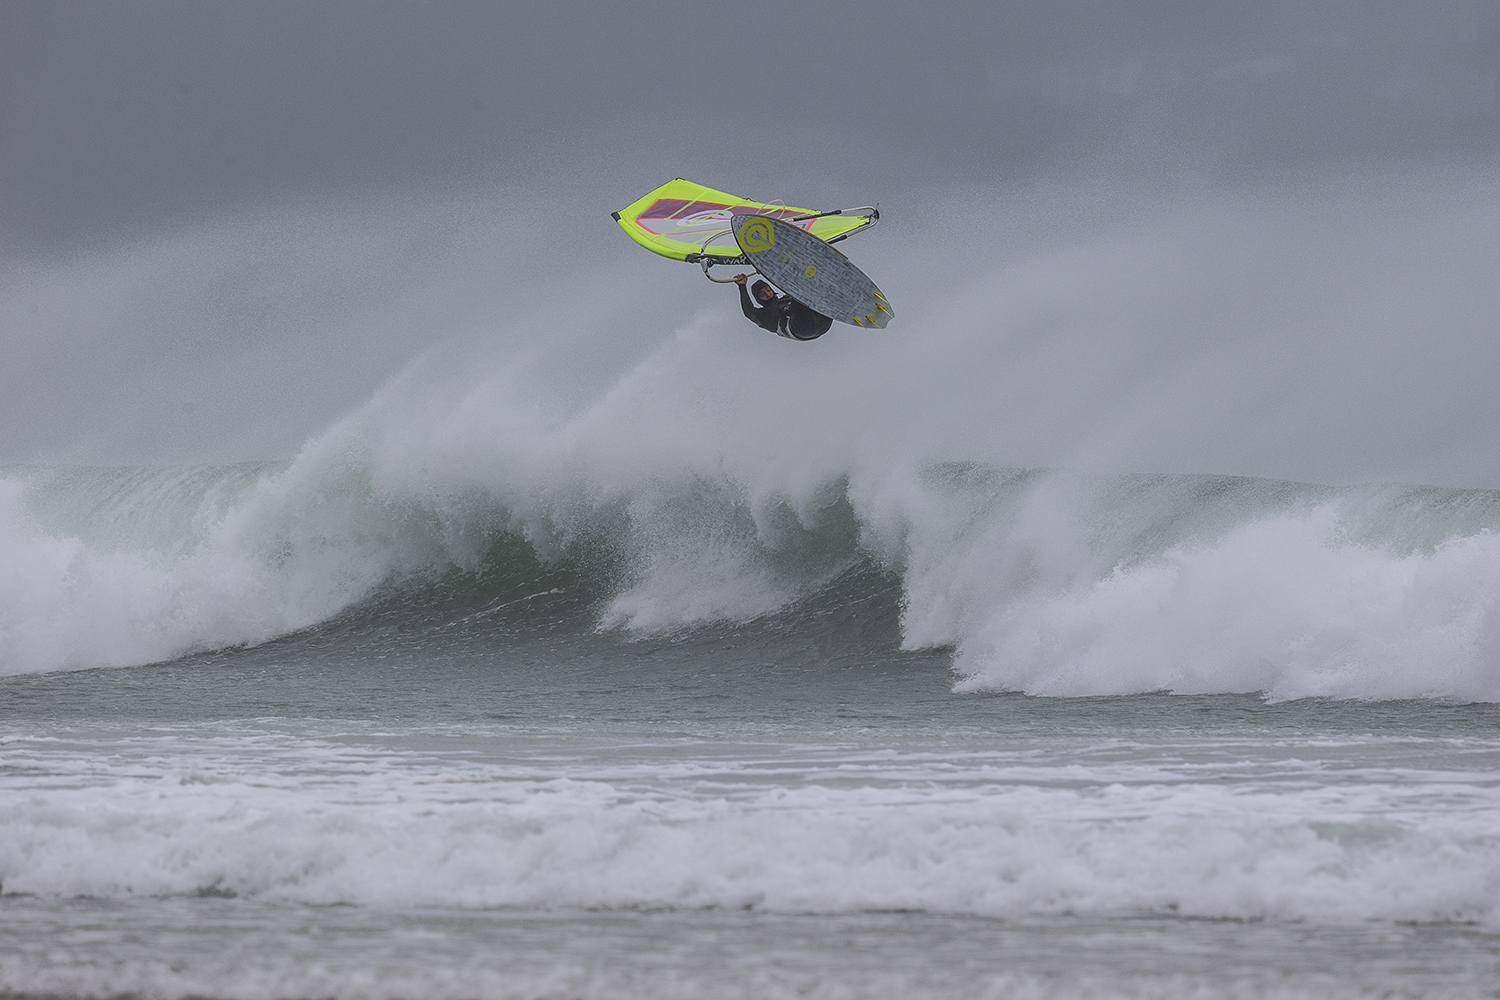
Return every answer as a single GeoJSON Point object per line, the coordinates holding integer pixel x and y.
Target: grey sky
{"type": "Point", "coordinates": [117, 114]}
{"type": "Point", "coordinates": [1233, 237]}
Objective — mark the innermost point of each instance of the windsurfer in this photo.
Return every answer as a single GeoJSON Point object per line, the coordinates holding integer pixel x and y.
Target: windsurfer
{"type": "Point", "coordinates": [781, 314]}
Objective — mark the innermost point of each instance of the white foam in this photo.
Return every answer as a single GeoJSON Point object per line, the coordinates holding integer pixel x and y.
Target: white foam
{"type": "Point", "coordinates": [1282, 605]}
{"type": "Point", "coordinates": [303, 822]}
{"type": "Point", "coordinates": [294, 548]}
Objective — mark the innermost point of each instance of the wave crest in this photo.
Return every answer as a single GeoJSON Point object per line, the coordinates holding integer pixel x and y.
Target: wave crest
{"type": "Point", "coordinates": [1046, 583]}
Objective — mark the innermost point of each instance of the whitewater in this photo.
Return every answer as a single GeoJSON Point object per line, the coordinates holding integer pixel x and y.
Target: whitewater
{"type": "Point", "coordinates": [610, 649]}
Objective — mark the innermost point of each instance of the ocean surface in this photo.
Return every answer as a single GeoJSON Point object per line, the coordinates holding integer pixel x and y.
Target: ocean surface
{"type": "Point", "coordinates": [389, 720]}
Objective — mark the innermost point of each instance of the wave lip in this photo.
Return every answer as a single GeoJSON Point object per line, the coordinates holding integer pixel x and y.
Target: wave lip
{"type": "Point", "coordinates": [1074, 586]}
{"type": "Point", "coordinates": [1278, 606]}
{"type": "Point", "coordinates": [245, 558]}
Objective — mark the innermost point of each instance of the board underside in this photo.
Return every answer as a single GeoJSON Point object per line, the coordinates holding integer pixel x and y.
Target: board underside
{"type": "Point", "coordinates": [811, 271]}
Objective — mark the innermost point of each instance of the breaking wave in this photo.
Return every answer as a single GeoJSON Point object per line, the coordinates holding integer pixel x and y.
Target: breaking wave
{"type": "Point", "coordinates": [1044, 582]}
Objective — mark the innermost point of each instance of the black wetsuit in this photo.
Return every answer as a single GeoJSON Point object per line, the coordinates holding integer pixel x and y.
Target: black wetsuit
{"type": "Point", "coordinates": [785, 316]}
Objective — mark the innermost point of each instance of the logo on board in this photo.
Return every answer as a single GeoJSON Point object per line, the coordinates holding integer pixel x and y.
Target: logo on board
{"type": "Point", "coordinates": [756, 235]}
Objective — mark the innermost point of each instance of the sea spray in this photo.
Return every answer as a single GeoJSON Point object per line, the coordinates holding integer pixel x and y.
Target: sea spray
{"type": "Point", "coordinates": [1043, 582]}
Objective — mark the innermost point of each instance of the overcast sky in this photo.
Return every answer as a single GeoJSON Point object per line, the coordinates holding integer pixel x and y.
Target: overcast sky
{"type": "Point", "coordinates": [224, 225]}
{"type": "Point", "coordinates": [126, 113]}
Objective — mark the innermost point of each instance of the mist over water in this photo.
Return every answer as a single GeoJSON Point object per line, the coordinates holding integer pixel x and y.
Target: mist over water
{"type": "Point", "coordinates": [989, 454]}
{"type": "Point", "coordinates": [1323, 329]}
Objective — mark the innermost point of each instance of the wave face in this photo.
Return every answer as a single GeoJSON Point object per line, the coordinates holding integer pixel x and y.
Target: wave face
{"type": "Point", "coordinates": [1042, 582]}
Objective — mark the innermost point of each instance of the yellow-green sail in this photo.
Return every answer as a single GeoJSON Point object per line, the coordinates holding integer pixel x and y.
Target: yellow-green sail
{"type": "Point", "coordinates": [681, 218]}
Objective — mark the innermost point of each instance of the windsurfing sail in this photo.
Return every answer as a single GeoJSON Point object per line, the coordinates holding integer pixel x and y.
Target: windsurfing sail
{"type": "Point", "coordinates": [687, 221]}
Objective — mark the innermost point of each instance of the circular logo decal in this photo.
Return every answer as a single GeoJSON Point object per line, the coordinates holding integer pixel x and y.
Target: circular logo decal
{"type": "Point", "coordinates": [756, 235]}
